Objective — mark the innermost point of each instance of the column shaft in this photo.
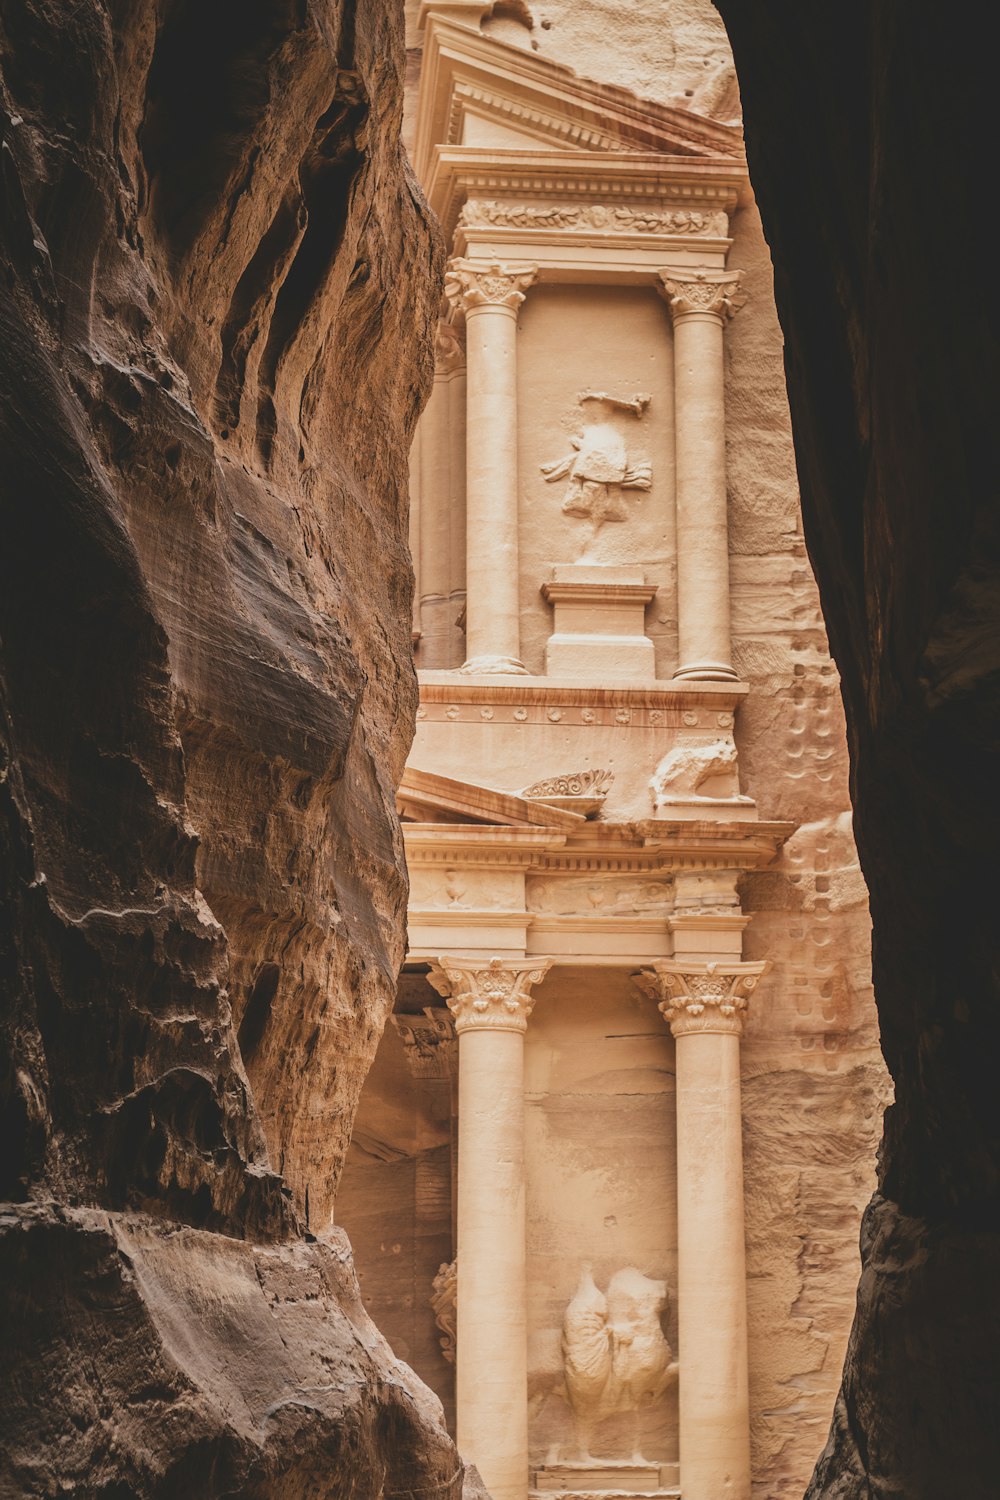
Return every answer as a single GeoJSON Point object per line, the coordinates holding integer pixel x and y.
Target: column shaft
{"type": "Point", "coordinates": [704, 1003]}
{"type": "Point", "coordinates": [492, 605]}
{"type": "Point", "coordinates": [435, 580]}
{"type": "Point", "coordinates": [457, 399]}
{"type": "Point", "coordinates": [489, 296]}
{"type": "Point", "coordinates": [491, 1001]}
{"type": "Point", "coordinates": [491, 1365]}
{"type": "Point", "coordinates": [711, 1270]}
{"type": "Point", "coordinates": [700, 307]}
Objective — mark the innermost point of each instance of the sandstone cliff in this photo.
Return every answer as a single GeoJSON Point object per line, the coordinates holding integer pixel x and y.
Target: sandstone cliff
{"type": "Point", "coordinates": [216, 282]}
{"type": "Point", "coordinates": [869, 131]}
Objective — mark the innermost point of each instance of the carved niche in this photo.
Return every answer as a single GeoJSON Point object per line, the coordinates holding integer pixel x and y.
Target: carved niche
{"type": "Point", "coordinates": [599, 466]}
{"type": "Point", "coordinates": [615, 1356]}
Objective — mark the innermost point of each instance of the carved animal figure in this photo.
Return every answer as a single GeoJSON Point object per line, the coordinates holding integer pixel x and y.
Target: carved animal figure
{"type": "Point", "coordinates": [686, 768]}
{"type": "Point", "coordinates": [615, 1356]}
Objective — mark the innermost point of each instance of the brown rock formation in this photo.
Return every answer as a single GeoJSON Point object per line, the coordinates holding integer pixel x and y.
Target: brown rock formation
{"type": "Point", "coordinates": [216, 280]}
{"type": "Point", "coordinates": [869, 131]}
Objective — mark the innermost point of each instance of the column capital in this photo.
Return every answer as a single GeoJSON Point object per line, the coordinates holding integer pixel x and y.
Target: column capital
{"type": "Point", "coordinates": [702, 996]}
{"type": "Point", "coordinates": [472, 284]}
{"type": "Point", "coordinates": [428, 1041]}
{"type": "Point", "coordinates": [488, 994]}
{"type": "Point", "coordinates": [716, 293]}
{"type": "Point", "coordinates": [449, 349]}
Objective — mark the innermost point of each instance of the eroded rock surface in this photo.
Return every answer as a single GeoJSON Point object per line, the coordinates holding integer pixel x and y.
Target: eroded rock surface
{"type": "Point", "coordinates": [867, 142]}
{"type": "Point", "coordinates": [217, 279]}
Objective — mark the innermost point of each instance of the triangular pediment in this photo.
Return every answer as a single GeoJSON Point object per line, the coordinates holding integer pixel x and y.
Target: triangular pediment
{"type": "Point", "coordinates": [480, 93]}
{"type": "Point", "coordinates": [426, 797]}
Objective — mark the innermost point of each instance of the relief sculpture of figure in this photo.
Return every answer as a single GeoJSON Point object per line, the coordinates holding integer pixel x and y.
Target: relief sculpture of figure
{"type": "Point", "coordinates": [615, 1356]}
{"type": "Point", "coordinates": [598, 469]}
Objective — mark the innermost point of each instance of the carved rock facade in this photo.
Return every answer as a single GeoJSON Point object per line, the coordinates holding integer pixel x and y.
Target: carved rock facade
{"type": "Point", "coordinates": [705, 1014]}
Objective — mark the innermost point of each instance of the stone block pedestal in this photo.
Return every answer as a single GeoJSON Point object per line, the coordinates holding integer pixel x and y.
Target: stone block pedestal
{"type": "Point", "coordinates": [599, 627]}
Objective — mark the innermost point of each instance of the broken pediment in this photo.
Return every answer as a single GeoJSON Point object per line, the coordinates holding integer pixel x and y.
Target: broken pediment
{"type": "Point", "coordinates": [426, 797]}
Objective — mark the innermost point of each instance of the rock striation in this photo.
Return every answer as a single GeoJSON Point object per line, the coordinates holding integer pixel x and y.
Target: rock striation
{"type": "Point", "coordinates": [216, 285]}
{"type": "Point", "coordinates": [868, 143]}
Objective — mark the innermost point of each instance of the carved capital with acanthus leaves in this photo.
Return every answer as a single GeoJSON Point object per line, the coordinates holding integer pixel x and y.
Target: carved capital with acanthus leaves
{"type": "Point", "coordinates": [715, 292]}
{"type": "Point", "coordinates": [696, 997]}
{"type": "Point", "coordinates": [491, 994]}
{"type": "Point", "coordinates": [470, 285]}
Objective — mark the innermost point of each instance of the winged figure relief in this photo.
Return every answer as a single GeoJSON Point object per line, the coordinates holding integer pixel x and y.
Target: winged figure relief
{"type": "Point", "coordinates": [615, 1356]}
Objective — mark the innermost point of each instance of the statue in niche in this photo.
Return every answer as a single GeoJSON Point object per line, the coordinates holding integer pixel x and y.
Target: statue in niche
{"type": "Point", "coordinates": [599, 468]}
{"type": "Point", "coordinates": [615, 1356]}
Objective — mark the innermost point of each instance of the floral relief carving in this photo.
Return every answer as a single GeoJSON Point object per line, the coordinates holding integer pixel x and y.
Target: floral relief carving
{"type": "Point", "coordinates": [578, 784]}
{"type": "Point", "coordinates": [469, 285]}
{"type": "Point", "coordinates": [444, 1302]}
{"type": "Point", "coordinates": [492, 995]}
{"type": "Point", "coordinates": [483, 213]}
{"type": "Point", "coordinates": [702, 997]}
{"type": "Point", "coordinates": [716, 292]}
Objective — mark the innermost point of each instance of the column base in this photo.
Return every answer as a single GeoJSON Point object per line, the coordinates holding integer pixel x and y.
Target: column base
{"type": "Point", "coordinates": [707, 671]}
{"type": "Point", "coordinates": [493, 666]}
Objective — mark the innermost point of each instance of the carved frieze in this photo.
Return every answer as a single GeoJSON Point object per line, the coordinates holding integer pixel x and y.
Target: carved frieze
{"type": "Point", "coordinates": [489, 995]}
{"type": "Point", "coordinates": [483, 213]}
{"type": "Point", "coordinates": [702, 997]}
{"type": "Point", "coordinates": [716, 292]}
{"type": "Point", "coordinates": [470, 285]}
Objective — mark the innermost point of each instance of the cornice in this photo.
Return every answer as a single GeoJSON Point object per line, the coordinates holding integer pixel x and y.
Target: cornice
{"type": "Point", "coordinates": [599, 848]}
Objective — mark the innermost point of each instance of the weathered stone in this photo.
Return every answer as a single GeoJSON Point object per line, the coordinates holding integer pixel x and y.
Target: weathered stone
{"type": "Point", "coordinates": [217, 281]}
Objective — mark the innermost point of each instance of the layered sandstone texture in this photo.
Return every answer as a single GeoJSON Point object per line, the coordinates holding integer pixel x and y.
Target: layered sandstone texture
{"type": "Point", "coordinates": [869, 142]}
{"type": "Point", "coordinates": [216, 281]}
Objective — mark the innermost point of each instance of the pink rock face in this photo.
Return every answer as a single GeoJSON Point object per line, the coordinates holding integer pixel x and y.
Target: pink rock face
{"type": "Point", "coordinates": [217, 281]}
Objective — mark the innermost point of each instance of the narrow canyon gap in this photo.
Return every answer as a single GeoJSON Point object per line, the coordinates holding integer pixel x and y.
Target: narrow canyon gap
{"type": "Point", "coordinates": [870, 132]}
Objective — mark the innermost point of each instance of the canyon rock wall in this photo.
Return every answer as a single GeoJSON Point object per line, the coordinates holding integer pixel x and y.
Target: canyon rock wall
{"type": "Point", "coordinates": [869, 132]}
{"type": "Point", "coordinates": [216, 285]}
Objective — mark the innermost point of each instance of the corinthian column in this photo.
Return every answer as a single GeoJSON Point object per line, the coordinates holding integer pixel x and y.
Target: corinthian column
{"type": "Point", "coordinates": [490, 296]}
{"type": "Point", "coordinates": [700, 302]}
{"type": "Point", "coordinates": [704, 1004]}
{"type": "Point", "coordinates": [491, 1001]}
